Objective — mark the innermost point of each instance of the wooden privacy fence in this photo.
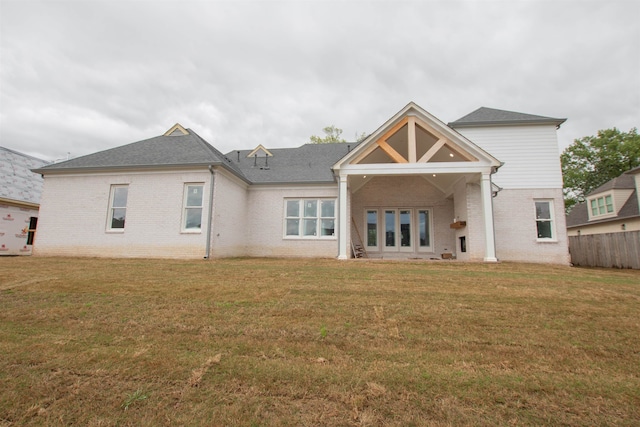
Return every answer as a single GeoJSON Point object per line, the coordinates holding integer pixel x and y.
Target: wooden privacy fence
{"type": "Point", "coordinates": [618, 250]}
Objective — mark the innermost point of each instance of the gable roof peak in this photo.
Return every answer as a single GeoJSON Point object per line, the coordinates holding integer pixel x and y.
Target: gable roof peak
{"type": "Point", "coordinates": [260, 149]}
{"type": "Point", "coordinates": [176, 130]}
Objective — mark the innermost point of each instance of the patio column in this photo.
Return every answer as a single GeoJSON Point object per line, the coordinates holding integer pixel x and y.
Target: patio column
{"type": "Point", "coordinates": [342, 218]}
{"type": "Point", "coordinates": [487, 212]}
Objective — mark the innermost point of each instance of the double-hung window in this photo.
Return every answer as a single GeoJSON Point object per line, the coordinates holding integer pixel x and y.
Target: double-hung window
{"type": "Point", "coordinates": [117, 207]}
{"type": "Point", "coordinates": [192, 207]}
{"type": "Point", "coordinates": [310, 218]}
{"type": "Point", "coordinates": [601, 205]}
{"type": "Point", "coordinates": [544, 220]}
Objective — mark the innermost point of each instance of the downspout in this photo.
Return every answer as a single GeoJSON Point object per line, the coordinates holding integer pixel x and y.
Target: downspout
{"type": "Point", "coordinates": [493, 196]}
{"type": "Point", "coordinates": [493, 213]}
{"type": "Point", "coordinates": [210, 214]}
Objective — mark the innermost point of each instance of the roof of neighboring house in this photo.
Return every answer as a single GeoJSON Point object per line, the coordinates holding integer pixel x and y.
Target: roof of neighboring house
{"type": "Point", "coordinates": [17, 182]}
{"type": "Point", "coordinates": [623, 182]}
{"type": "Point", "coordinates": [162, 151]}
{"type": "Point", "coordinates": [579, 214]}
{"type": "Point", "coordinates": [484, 116]}
{"type": "Point", "coordinates": [309, 163]}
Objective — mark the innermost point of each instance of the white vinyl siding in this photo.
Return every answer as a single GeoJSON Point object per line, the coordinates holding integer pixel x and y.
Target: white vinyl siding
{"type": "Point", "coordinates": [529, 153]}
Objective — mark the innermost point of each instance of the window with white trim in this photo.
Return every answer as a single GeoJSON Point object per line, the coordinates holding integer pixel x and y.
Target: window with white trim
{"type": "Point", "coordinates": [117, 207]}
{"type": "Point", "coordinates": [192, 207]}
{"type": "Point", "coordinates": [544, 220]}
{"type": "Point", "coordinates": [310, 218]}
{"type": "Point", "coordinates": [601, 205]}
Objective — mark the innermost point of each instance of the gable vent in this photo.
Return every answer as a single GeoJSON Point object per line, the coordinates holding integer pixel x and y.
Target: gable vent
{"type": "Point", "coordinates": [176, 130]}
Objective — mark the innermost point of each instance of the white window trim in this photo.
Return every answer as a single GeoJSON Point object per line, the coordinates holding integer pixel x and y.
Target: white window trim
{"type": "Point", "coordinates": [301, 218]}
{"type": "Point", "coordinates": [602, 196]}
{"type": "Point", "coordinates": [185, 194]}
{"type": "Point", "coordinates": [112, 193]}
{"type": "Point", "coordinates": [552, 220]}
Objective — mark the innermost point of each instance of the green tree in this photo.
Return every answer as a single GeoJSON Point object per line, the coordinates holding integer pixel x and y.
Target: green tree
{"type": "Point", "coordinates": [361, 136]}
{"type": "Point", "coordinates": [332, 134]}
{"type": "Point", "coordinates": [593, 160]}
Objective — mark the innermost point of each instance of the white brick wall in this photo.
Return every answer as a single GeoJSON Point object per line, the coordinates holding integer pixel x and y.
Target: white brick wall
{"type": "Point", "coordinates": [265, 222]}
{"type": "Point", "coordinates": [468, 207]}
{"type": "Point", "coordinates": [74, 222]}
{"type": "Point", "coordinates": [250, 221]}
{"type": "Point", "coordinates": [515, 225]}
{"type": "Point", "coordinates": [229, 216]}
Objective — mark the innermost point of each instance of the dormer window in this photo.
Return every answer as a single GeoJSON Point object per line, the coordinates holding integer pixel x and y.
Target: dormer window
{"type": "Point", "coordinates": [601, 205]}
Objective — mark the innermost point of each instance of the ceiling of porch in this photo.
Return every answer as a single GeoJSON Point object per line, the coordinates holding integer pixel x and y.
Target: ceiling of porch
{"type": "Point", "coordinates": [443, 182]}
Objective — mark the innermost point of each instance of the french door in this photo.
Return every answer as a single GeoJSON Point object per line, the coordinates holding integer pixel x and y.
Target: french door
{"type": "Point", "coordinates": [398, 230]}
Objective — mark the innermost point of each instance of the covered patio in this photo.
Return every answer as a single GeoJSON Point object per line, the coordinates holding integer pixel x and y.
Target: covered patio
{"type": "Point", "coordinates": [416, 188]}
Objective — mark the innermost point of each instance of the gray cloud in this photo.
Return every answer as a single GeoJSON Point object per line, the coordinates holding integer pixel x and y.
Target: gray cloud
{"type": "Point", "coordinates": [80, 77]}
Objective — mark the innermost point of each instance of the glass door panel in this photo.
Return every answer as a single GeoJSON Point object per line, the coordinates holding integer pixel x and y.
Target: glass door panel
{"type": "Point", "coordinates": [425, 234]}
{"type": "Point", "coordinates": [372, 229]}
{"type": "Point", "coordinates": [405, 230]}
{"type": "Point", "coordinates": [390, 228]}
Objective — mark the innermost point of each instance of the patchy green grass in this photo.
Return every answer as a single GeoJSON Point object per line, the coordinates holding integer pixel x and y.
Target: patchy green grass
{"type": "Point", "coordinates": [257, 342]}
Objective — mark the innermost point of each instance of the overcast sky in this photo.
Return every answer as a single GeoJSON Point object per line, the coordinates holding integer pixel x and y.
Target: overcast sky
{"type": "Point", "coordinates": [82, 76]}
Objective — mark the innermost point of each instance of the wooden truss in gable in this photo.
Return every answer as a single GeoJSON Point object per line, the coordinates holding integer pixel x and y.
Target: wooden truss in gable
{"type": "Point", "coordinates": [426, 151]}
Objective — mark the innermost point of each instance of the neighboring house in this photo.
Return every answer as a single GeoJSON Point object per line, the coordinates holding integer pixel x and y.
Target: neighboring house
{"type": "Point", "coordinates": [485, 187]}
{"type": "Point", "coordinates": [613, 207]}
{"type": "Point", "coordinates": [19, 200]}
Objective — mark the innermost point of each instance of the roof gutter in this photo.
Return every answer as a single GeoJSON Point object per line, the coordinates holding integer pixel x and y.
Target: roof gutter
{"type": "Point", "coordinates": [210, 213]}
{"type": "Point", "coordinates": [555, 122]}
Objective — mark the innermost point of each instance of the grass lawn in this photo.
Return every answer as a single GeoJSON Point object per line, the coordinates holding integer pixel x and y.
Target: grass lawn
{"type": "Point", "coordinates": [260, 342]}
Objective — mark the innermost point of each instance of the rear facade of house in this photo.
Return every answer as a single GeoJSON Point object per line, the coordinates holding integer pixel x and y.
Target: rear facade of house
{"type": "Point", "coordinates": [486, 187]}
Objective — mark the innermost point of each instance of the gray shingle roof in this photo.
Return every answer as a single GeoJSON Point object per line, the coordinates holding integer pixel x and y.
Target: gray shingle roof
{"type": "Point", "coordinates": [623, 182]}
{"type": "Point", "coordinates": [578, 215]}
{"type": "Point", "coordinates": [484, 116]}
{"type": "Point", "coordinates": [17, 182]}
{"type": "Point", "coordinates": [161, 151]}
{"type": "Point", "coordinates": [309, 163]}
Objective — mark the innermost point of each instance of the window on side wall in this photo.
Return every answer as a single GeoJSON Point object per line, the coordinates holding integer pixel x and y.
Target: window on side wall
{"type": "Point", "coordinates": [117, 207]}
{"type": "Point", "coordinates": [544, 220]}
{"type": "Point", "coordinates": [310, 218]}
{"type": "Point", "coordinates": [192, 207]}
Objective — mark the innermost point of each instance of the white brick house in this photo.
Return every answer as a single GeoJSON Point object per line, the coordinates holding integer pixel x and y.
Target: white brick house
{"type": "Point", "coordinates": [485, 187]}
